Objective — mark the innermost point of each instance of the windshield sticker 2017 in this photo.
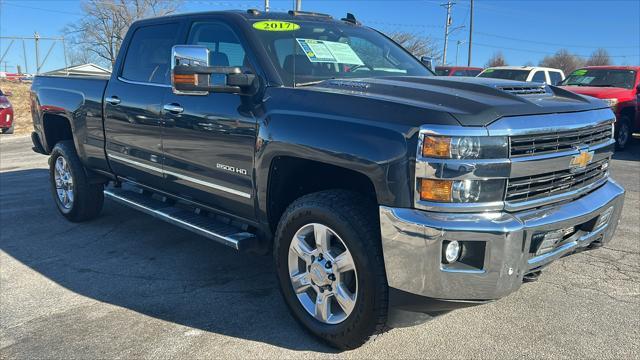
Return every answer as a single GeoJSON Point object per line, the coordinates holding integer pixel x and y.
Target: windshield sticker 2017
{"type": "Point", "coordinates": [329, 51]}
{"type": "Point", "coordinates": [271, 25]}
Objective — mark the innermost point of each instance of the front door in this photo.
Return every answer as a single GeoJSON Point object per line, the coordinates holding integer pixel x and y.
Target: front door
{"type": "Point", "coordinates": [209, 140]}
{"type": "Point", "coordinates": [133, 103]}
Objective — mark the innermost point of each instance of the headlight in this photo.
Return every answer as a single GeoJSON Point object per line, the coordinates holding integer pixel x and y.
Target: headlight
{"type": "Point", "coordinates": [611, 102]}
{"type": "Point", "coordinates": [464, 147]}
{"type": "Point", "coordinates": [461, 191]}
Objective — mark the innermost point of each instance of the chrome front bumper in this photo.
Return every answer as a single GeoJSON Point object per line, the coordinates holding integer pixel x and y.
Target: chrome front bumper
{"type": "Point", "coordinates": [412, 244]}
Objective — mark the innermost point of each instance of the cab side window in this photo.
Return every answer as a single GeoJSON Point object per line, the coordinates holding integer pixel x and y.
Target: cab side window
{"type": "Point", "coordinates": [224, 46]}
{"type": "Point", "coordinates": [539, 77]}
{"type": "Point", "coordinates": [148, 56]}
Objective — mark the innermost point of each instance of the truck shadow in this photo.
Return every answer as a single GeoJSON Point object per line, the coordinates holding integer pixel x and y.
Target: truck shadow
{"type": "Point", "coordinates": [136, 262]}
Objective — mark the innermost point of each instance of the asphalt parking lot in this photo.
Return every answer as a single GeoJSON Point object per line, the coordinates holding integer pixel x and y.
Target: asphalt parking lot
{"type": "Point", "coordinates": [129, 286]}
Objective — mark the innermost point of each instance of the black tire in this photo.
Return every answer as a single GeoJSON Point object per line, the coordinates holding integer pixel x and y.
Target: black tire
{"type": "Point", "coordinates": [8, 130]}
{"type": "Point", "coordinates": [88, 198]}
{"type": "Point", "coordinates": [355, 221]}
{"type": "Point", "coordinates": [623, 132]}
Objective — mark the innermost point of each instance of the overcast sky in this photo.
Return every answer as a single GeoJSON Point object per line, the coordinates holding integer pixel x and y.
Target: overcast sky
{"type": "Point", "coordinates": [524, 30]}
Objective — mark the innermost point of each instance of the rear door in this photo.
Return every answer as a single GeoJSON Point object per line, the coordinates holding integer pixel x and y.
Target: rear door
{"type": "Point", "coordinates": [133, 103]}
{"type": "Point", "coordinates": [209, 142]}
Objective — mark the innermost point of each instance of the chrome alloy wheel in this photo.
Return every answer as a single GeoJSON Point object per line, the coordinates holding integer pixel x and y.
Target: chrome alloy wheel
{"type": "Point", "coordinates": [64, 182]}
{"type": "Point", "coordinates": [323, 273]}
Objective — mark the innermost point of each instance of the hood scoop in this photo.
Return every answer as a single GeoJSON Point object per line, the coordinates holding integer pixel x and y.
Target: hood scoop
{"type": "Point", "coordinates": [524, 89]}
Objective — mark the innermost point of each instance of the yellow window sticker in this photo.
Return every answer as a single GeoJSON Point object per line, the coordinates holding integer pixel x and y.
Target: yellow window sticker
{"type": "Point", "coordinates": [273, 25]}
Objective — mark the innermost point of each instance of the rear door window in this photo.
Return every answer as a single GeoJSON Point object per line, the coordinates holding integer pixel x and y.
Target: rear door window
{"type": "Point", "coordinates": [148, 57]}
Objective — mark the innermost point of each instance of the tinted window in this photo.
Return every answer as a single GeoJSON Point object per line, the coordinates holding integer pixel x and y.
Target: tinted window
{"type": "Point", "coordinates": [519, 75]}
{"type": "Point", "coordinates": [473, 72]}
{"type": "Point", "coordinates": [224, 46]}
{"type": "Point", "coordinates": [555, 77]}
{"type": "Point", "coordinates": [148, 58]}
{"type": "Point", "coordinates": [442, 71]}
{"type": "Point", "coordinates": [539, 77]}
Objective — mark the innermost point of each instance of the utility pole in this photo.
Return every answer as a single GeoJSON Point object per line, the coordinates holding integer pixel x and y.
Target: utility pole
{"type": "Point", "coordinates": [447, 23]}
{"type": "Point", "coordinates": [24, 54]}
{"type": "Point", "coordinates": [470, 33]}
{"type": "Point", "coordinates": [266, 5]}
{"type": "Point", "coordinates": [36, 37]}
{"type": "Point", "coordinates": [298, 5]}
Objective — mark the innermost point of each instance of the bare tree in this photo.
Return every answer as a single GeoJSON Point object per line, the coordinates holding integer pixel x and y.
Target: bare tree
{"type": "Point", "coordinates": [599, 57]}
{"type": "Point", "coordinates": [105, 23]}
{"type": "Point", "coordinates": [417, 45]}
{"type": "Point", "coordinates": [562, 60]}
{"type": "Point", "coordinates": [496, 60]}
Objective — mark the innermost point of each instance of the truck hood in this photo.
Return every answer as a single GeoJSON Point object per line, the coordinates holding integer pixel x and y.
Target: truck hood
{"type": "Point", "coordinates": [601, 92]}
{"type": "Point", "coordinates": [472, 101]}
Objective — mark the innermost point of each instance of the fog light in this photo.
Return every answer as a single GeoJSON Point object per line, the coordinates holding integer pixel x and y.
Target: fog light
{"type": "Point", "coordinates": [452, 252]}
{"type": "Point", "coordinates": [604, 218]}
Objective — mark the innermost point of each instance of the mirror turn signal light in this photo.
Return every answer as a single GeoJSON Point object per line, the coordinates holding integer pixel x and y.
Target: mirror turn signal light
{"type": "Point", "coordinates": [436, 146]}
{"type": "Point", "coordinates": [435, 190]}
{"type": "Point", "coordinates": [191, 79]}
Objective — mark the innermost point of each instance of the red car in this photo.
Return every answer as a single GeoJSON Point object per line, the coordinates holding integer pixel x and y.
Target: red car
{"type": "Point", "coordinates": [619, 86]}
{"type": "Point", "coordinates": [6, 114]}
{"type": "Point", "coordinates": [457, 71]}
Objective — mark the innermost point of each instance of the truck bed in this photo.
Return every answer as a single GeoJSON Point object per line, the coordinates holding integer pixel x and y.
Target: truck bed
{"type": "Point", "coordinates": [79, 99]}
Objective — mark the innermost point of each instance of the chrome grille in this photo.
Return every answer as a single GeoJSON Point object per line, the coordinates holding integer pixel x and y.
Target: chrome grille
{"type": "Point", "coordinates": [525, 145]}
{"type": "Point", "coordinates": [557, 182]}
{"type": "Point", "coordinates": [524, 90]}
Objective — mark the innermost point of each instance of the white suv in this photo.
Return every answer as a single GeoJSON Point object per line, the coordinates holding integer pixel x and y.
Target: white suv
{"type": "Point", "coordinates": [525, 73]}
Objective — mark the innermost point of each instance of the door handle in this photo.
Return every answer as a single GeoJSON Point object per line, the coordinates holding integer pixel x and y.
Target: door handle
{"type": "Point", "coordinates": [113, 100]}
{"type": "Point", "coordinates": [173, 108]}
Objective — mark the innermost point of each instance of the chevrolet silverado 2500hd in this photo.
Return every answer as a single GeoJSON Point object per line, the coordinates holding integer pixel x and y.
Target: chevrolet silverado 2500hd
{"type": "Point", "coordinates": [386, 194]}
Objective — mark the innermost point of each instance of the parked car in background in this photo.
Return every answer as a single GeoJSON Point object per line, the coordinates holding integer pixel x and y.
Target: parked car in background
{"type": "Point", "coordinates": [457, 71]}
{"type": "Point", "coordinates": [525, 73]}
{"type": "Point", "coordinates": [6, 114]}
{"type": "Point", "coordinates": [619, 86]}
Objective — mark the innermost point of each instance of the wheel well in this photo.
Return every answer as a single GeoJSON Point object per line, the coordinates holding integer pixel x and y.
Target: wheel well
{"type": "Point", "coordinates": [56, 128]}
{"type": "Point", "coordinates": [291, 178]}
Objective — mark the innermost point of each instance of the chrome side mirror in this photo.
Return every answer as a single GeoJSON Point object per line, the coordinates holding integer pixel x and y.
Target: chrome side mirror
{"type": "Point", "coordinates": [191, 73]}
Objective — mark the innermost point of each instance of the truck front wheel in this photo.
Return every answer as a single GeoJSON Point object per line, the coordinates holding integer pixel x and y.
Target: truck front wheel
{"type": "Point", "coordinates": [330, 267]}
{"type": "Point", "coordinates": [76, 198]}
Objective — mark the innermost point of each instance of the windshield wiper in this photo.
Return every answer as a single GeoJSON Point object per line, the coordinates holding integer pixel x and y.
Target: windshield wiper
{"type": "Point", "coordinates": [310, 83]}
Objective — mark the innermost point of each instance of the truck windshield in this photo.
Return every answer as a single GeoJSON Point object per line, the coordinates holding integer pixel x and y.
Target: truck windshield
{"type": "Point", "coordinates": [307, 52]}
{"type": "Point", "coordinates": [602, 78]}
{"type": "Point", "coordinates": [507, 74]}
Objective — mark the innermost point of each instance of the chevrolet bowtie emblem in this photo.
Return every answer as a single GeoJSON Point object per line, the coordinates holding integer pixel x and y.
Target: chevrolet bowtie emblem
{"type": "Point", "coordinates": [580, 161]}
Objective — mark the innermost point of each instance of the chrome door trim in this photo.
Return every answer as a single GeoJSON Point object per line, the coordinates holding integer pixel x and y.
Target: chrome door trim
{"type": "Point", "coordinates": [208, 184]}
{"type": "Point", "coordinates": [181, 176]}
{"type": "Point", "coordinates": [136, 163]}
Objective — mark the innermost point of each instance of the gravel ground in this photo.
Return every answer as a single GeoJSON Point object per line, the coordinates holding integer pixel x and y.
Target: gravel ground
{"type": "Point", "coordinates": [129, 286]}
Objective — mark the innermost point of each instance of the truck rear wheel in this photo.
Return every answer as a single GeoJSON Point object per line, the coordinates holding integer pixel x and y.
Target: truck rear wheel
{"type": "Point", "coordinates": [330, 267]}
{"type": "Point", "coordinates": [9, 130]}
{"type": "Point", "coordinates": [76, 198]}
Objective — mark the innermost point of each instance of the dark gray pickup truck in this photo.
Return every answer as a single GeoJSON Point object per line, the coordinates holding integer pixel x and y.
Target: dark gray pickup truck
{"type": "Point", "coordinates": [387, 195]}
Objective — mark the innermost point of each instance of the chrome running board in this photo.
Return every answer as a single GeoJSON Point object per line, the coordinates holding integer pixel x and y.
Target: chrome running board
{"type": "Point", "coordinates": [211, 227]}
